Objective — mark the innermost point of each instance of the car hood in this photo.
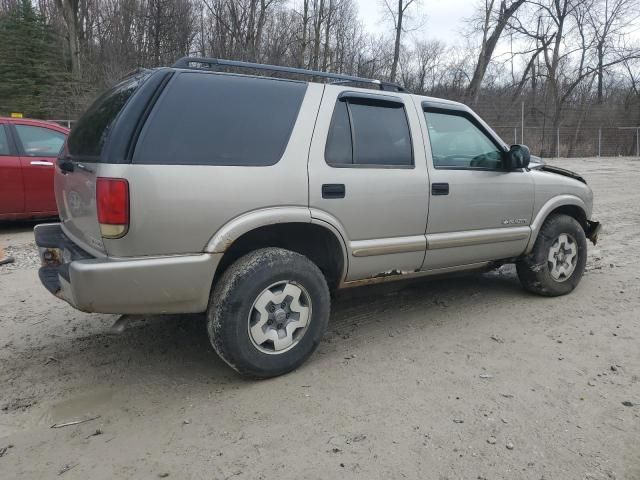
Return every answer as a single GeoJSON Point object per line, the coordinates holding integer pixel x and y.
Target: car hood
{"type": "Point", "coordinates": [537, 163]}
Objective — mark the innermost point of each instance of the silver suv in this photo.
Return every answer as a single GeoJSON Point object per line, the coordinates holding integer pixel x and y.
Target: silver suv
{"type": "Point", "coordinates": [252, 198]}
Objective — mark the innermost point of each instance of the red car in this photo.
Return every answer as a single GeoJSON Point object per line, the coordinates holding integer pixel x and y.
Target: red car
{"type": "Point", "coordinates": [28, 152]}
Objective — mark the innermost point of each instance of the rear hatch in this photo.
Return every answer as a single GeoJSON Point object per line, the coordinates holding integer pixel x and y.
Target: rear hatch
{"type": "Point", "coordinates": [81, 161]}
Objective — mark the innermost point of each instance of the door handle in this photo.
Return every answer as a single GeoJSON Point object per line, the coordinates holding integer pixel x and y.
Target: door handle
{"type": "Point", "coordinates": [42, 163]}
{"type": "Point", "coordinates": [439, 189]}
{"type": "Point", "coordinates": [333, 190]}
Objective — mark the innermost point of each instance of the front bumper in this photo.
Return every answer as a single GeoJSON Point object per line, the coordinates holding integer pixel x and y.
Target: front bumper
{"type": "Point", "coordinates": [592, 231]}
{"type": "Point", "coordinates": [147, 285]}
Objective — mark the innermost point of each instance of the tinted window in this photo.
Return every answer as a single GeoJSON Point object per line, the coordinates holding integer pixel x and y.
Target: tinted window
{"type": "Point", "coordinates": [211, 119]}
{"type": "Point", "coordinates": [366, 133]}
{"type": "Point", "coordinates": [339, 148]}
{"type": "Point", "coordinates": [90, 132]}
{"type": "Point", "coordinates": [457, 143]}
{"type": "Point", "coordinates": [39, 141]}
{"type": "Point", "coordinates": [4, 142]}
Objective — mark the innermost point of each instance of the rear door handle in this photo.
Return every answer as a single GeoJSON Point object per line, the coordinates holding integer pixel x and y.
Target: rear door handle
{"type": "Point", "coordinates": [439, 189]}
{"type": "Point", "coordinates": [42, 163]}
{"type": "Point", "coordinates": [333, 190]}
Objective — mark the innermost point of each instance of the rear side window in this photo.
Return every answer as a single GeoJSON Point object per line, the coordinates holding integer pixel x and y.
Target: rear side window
{"type": "Point", "coordinates": [4, 141]}
{"type": "Point", "coordinates": [39, 141]}
{"type": "Point", "coordinates": [369, 132]}
{"type": "Point", "coordinates": [212, 119]}
{"type": "Point", "coordinates": [90, 132]}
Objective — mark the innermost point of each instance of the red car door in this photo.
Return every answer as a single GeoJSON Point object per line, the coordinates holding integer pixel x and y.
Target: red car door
{"type": "Point", "coordinates": [11, 183]}
{"type": "Point", "coordinates": [39, 147]}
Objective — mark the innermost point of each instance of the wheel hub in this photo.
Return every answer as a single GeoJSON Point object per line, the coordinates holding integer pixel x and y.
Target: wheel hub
{"type": "Point", "coordinates": [279, 317]}
{"type": "Point", "coordinates": [563, 257]}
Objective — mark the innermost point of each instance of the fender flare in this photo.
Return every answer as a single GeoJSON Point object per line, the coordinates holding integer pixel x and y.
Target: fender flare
{"type": "Point", "coordinates": [547, 208]}
{"type": "Point", "coordinates": [238, 226]}
{"type": "Point", "coordinates": [222, 239]}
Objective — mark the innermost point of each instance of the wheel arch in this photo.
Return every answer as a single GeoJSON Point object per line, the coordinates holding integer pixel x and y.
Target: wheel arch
{"type": "Point", "coordinates": [565, 204]}
{"type": "Point", "coordinates": [290, 228]}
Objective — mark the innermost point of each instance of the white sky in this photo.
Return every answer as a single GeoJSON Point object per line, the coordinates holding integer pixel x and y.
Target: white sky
{"type": "Point", "coordinates": [444, 18]}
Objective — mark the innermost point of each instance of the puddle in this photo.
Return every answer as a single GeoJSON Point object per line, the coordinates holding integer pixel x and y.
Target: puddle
{"type": "Point", "coordinates": [87, 405]}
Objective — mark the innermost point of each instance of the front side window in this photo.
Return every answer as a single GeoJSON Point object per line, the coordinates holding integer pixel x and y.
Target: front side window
{"type": "Point", "coordinates": [369, 133]}
{"type": "Point", "coordinates": [39, 141]}
{"type": "Point", "coordinates": [457, 143]}
{"type": "Point", "coordinates": [4, 141]}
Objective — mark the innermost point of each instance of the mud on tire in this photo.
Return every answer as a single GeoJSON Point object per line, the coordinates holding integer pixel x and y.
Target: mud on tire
{"type": "Point", "coordinates": [268, 285]}
{"type": "Point", "coordinates": [559, 235]}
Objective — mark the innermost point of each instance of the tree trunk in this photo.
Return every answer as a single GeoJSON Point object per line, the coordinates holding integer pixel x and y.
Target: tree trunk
{"type": "Point", "coordinates": [396, 47]}
{"type": "Point", "coordinates": [488, 47]}
{"type": "Point", "coordinates": [319, 20]}
{"type": "Point", "coordinates": [69, 9]}
{"type": "Point", "coordinates": [600, 71]}
{"type": "Point", "coordinates": [327, 35]}
{"type": "Point", "coordinates": [305, 26]}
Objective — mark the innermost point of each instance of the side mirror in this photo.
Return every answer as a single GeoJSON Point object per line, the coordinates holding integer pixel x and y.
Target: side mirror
{"type": "Point", "coordinates": [517, 157]}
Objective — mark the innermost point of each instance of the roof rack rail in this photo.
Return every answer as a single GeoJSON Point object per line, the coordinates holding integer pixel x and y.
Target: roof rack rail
{"type": "Point", "coordinates": [185, 62]}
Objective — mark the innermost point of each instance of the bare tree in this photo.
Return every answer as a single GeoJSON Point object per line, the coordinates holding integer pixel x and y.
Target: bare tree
{"type": "Point", "coordinates": [610, 20]}
{"type": "Point", "coordinates": [493, 23]}
{"type": "Point", "coordinates": [397, 14]}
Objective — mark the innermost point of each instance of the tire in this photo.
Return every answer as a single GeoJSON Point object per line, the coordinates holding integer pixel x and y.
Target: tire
{"type": "Point", "coordinates": [268, 285]}
{"type": "Point", "coordinates": [559, 235]}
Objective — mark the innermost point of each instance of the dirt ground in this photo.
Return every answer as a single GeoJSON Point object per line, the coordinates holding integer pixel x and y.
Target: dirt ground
{"type": "Point", "coordinates": [467, 377]}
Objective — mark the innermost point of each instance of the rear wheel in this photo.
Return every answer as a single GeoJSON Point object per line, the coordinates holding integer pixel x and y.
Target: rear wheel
{"type": "Point", "coordinates": [268, 312]}
{"type": "Point", "coordinates": [556, 263]}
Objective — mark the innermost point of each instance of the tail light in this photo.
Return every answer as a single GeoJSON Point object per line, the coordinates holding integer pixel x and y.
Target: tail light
{"type": "Point", "coordinates": [112, 201]}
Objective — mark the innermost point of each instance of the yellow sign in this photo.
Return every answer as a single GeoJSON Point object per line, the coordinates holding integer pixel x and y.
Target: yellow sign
{"type": "Point", "coordinates": [16, 115]}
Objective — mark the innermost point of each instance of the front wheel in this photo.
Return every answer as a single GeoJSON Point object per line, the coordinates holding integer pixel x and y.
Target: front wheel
{"type": "Point", "coordinates": [556, 264]}
{"type": "Point", "coordinates": [268, 312]}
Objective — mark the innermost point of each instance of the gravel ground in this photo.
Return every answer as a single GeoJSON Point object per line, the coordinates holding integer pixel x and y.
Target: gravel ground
{"type": "Point", "coordinates": [466, 377]}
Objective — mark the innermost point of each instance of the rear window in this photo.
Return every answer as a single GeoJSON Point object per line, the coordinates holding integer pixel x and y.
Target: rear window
{"type": "Point", "coordinates": [212, 119]}
{"type": "Point", "coordinates": [90, 132]}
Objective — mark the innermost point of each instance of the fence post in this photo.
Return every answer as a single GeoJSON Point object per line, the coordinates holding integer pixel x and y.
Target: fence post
{"type": "Point", "coordinates": [638, 142]}
{"type": "Point", "coordinates": [515, 134]}
{"type": "Point", "coordinates": [599, 141]}
{"type": "Point", "coordinates": [558, 143]}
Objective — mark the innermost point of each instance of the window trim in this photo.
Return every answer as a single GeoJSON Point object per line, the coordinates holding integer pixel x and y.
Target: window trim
{"type": "Point", "coordinates": [344, 97]}
{"type": "Point", "coordinates": [459, 112]}
{"type": "Point", "coordinates": [20, 145]}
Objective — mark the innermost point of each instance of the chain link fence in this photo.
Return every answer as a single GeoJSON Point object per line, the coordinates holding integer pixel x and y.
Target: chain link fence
{"type": "Point", "coordinates": [574, 141]}
{"type": "Point", "coordinates": [566, 141]}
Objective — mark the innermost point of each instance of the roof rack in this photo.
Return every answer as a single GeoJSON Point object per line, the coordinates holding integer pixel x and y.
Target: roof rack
{"type": "Point", "coordinates": [185, 62]}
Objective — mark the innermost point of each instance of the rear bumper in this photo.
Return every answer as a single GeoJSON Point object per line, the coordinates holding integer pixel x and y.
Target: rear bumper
{"type": "Point", "coordinates": [167, 284]}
